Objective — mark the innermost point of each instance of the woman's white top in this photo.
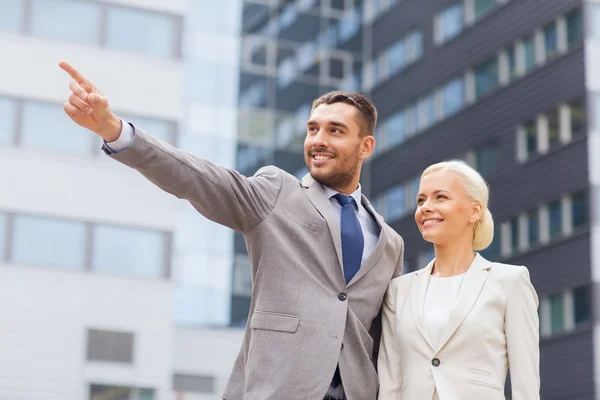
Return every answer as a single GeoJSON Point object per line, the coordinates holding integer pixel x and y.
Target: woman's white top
{"type": "Point", "coordinates": [440, 299]}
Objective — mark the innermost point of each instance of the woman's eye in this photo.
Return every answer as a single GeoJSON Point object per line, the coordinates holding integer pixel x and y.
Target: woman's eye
{"type": "Point", "coordinates": [441, 196]}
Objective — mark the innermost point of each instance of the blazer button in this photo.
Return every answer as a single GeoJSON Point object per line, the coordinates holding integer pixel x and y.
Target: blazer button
{"type": "Point", "coordinates": [342, 296]}
{"type": "Point", "coordinates": [435, 362]}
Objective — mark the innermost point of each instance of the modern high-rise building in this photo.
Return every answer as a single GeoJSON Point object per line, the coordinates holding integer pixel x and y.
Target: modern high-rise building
{"type": "Point", "coordinates": [510, 86]}
{"type": "Point", "coordinates": [109, 287]}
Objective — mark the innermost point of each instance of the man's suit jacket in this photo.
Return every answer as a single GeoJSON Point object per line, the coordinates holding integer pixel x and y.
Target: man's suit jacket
{"type": "Point", "coordinates": [493, 326]}
{"type": "Point", "coordinates": [303, 319]}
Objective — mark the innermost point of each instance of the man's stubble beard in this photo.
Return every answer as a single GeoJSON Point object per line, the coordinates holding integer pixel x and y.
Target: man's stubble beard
{"type": "Point", "coordinates": [337, 179]}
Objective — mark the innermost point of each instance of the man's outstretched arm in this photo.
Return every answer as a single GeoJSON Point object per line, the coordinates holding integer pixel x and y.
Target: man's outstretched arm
{"type": "Point", "coordinates": [220, 194]}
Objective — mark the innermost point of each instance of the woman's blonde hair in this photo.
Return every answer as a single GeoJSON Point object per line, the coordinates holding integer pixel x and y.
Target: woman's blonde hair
{"type": "Point", "coordinates": [477, 189]}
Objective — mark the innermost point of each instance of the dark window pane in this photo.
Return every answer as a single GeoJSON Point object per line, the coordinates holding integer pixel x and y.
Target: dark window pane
{"type": "Point", "coordinates": [514, 234]}
{"type": "Point", "coordinates": [533, 227]}
{"type": "Point", "coordinates": [531, 137]}
{"type": "Point", "coordinates": [128, 251]}
{"type": "Point", "coordinates": [482, 7]}
{"type": "Point", "coordinates": [396, 57]}
{"type": "Point", "coordinates": [529, 53]}
{"type": "Point", "coordinates": [512, 62]}
{"type": "Point", "coordinates": [553, 127]}
{"type": "Point", "coordinates": [109, 392]}
{"type": "Point", "coordinates": [48, 242]}
{"type": "Point", "coordinates": [574, 27]}
{"type": "Point", "coordinates": [141, 31]}
{"type": "Point", "coordinates": [8, 112]}
{"type": "Point", "coordinates": [193, 383]}
{"type": "Point", "coordinates": [579, 209]}
{"type": "Point", "coordinates": [555, 210]}
{"type": "Point", "coordinates": [110, 346]}
{"type": "Point", "coordinates": [582, 304]}
{"type": "Point", "coordinates": [578, 115]}
{"type": "Point", "coordinates": [550, 39]}
{"type": "Point", "coordinates": [486, 77]}
{"type": "Point", "coordinates": [11, 15]}
{"type": "Point", "coordinates": [557, 313]}
{"type": "Point", "coordinates": [55, 19]}
{"type": "Point", "coordinates": [493, 251]}
{"type": "Point", "coordinates": [488, 158]}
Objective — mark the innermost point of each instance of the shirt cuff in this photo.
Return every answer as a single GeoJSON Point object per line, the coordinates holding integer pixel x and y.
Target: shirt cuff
{"type": "Point", "coordinates": [124, 141]}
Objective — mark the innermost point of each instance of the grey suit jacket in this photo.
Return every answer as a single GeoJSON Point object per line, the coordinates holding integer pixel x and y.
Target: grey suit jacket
{"type": "Point", "coordinates": [304, 319]}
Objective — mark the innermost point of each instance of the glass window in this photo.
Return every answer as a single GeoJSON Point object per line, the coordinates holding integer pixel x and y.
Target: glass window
{"type": "Point", "coordinates": [574, 27]}
{"type": "Point", "coordinates": [555, 209]}
{"type": "Point", "coordinates": [582, 304]}
{"type": "Point", "coordinates": [529, 53]}
{"type": "Point", "coordinates": [493, 250]}
{"type": "Point", "coordinates": [395, 129]}
{"type": "Point", "coordinates": [8, 112]}
{"type": "Point", "coordinates": [453, 96]}
{"type": "Point", "coordinates": [595, 20]}
{"type": "Point", "coordinates": [488, 158]}
{"type": "Point", "coordinates": [514, 234]}
{"type": "Point", "coordinates": [550, 39]}
{"type": "Point", "coordinates": [512, 62]}
{"type": "Point", "coordinates": [47, 127]}
{"type": "Point", "coordinates": [11, 17]}
{"type": "Point", "coordinates": [578, 118]}
{"type": "Point", "coordinates": [49, 242]}
{"type": "Point", "coordinates": [557, 313]}
{"type": "Point", "coordinates": [451, 21]}
{"type": "Point", "coordinates": [553, 127]}
{"type": "Point", "coordinates": [530, 137]}
{"type": "Point", "coordinates": [2, 237]}
{"type": "Point", "coordinates": [426, 109]}
{"type": "Point", "coordinates": [396, 57]}
{"type": "Point", "coordinates": [482, 7]}
{"type": "Point", "coordinates": [395, 205]}
{"type": "Point", "coordinates": [533, 227]}
{"type": "Point", "coordinates": [128, 251]}
{"type": "Point", "coordinates": [55, 19]}
{"type": "Point", "coordinates": [579, 209]}
{"type": "Point", "coordinates": [486, 77]}
{"type": "Point", "coordinates": [107, 392]}
{"type": "Point", "coordinates": [140, 31]}
{"type": "Point", "coordinates": [417, 45]}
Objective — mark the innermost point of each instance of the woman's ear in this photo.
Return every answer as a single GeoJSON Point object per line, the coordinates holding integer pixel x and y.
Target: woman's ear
{"type": "Point", "coordinates": [476, 212]}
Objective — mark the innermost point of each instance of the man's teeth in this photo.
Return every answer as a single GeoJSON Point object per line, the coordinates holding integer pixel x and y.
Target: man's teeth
{"type": "Point", "coordinates": [322, 158]}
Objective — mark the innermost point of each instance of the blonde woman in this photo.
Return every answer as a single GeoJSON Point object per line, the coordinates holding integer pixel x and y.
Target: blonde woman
{"type": "Point", "coordinates": [453, 329]}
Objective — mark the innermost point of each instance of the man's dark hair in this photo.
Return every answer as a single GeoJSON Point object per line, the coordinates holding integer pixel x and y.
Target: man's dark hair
{"type": "Point", "coordinates": [368, 112]}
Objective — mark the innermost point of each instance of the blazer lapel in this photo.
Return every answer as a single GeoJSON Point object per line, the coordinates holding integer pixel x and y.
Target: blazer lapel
{"type": "Point", "coordinates": [470, 289]}
{"type": "Point", "coordinates": [379, 247]}
{"type": "Point", "coordinates": [418, 290]}
{"type": "Point", "coordinates": [317, 196]}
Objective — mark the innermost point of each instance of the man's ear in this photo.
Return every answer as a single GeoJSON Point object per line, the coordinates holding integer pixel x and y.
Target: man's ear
{"type": "Point", "coordinates": [368, 145]}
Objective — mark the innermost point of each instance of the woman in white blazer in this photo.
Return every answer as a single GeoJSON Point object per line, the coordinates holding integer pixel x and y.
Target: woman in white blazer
{"type": "Point", "coordinates": [453, 329]}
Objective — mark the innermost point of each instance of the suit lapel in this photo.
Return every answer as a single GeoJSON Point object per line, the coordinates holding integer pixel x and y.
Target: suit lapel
{"type": "Point", "coordinates": [470, 289]}
{"type": "Point", "coordinates": [418, 289]}
{"type": "Point", "coordinates": [317, 196]}
{"type": "Point", "coordinates": [379, 247]}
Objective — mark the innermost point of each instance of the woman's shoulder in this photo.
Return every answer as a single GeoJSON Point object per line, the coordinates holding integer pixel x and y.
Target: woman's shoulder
{"type": "Point", "coordinates": [509, 274]}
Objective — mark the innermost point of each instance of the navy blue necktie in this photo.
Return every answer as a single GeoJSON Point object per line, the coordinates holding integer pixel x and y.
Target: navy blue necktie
{"type": "Point", "coordinates": [353, 243]}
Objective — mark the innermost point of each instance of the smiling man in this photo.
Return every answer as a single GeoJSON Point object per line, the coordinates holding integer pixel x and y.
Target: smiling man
{"type": "Point", "coordinates": [321, 257]}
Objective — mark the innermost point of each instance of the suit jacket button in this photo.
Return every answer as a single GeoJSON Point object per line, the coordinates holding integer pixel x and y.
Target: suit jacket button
{"type": "Point", "coordinates": [342, 296]}
{"type": "Point", "coordinates": [435, 362]}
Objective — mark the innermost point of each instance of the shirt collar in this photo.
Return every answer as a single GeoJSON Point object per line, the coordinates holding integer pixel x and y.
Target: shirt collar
{"type": "Point", "coordinates": [357, 194]}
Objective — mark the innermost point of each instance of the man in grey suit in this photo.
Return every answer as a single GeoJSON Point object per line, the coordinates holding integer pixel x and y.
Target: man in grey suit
{"type": "Point", "coordinates": [321, 257]}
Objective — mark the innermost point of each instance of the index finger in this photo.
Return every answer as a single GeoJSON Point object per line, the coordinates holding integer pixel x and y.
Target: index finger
{"type": "Point", "coordinates": [73, 72]}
